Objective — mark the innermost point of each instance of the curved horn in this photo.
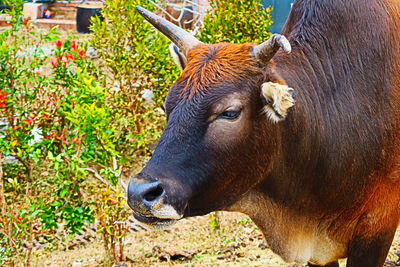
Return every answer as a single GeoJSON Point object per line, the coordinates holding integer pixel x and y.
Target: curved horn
{"type": "Point", "coordinates": [184, 40]}
{"type": "Point", "coordinates": [265, 51]}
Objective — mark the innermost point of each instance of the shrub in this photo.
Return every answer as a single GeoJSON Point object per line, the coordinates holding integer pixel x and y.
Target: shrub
{"type": "Point", "coordinates": [41, 184]}
{"type": "Point", "coordinates": [111, 214]}
{"type": "Point", "coordinates": [236, 21]}
{"type": "Point", "coordinates": [134, 61]}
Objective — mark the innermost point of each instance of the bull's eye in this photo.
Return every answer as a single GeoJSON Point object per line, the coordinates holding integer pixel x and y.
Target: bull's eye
{"type": "Point", "coordinates": [230, 114]}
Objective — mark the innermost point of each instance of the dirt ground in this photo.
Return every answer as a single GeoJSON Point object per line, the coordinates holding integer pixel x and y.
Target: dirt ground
{"type": "Point", "coordinates": [190, 242]}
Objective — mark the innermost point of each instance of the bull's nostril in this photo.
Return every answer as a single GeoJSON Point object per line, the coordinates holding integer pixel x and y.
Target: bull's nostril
{"type": "Point", "coordinates": [154, 194]}
{"type": "Point", "coordinates": [144, 194]}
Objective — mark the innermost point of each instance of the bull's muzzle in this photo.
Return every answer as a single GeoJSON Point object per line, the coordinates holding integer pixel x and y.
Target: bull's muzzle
{"type": "Point", "coordinates": [147, 199]}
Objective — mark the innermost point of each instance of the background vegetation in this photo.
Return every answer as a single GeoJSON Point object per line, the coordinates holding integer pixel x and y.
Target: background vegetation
{"type": "Point", "coordinates": [237, 21]}
{"type": "Point", "coordinates": [78, 118]}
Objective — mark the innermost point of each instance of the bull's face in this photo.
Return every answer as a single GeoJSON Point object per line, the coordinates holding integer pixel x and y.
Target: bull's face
{"type": "Point", "coordinates": [214, 148]}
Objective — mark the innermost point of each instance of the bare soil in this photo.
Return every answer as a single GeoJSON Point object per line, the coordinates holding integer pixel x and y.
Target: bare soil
{"type": "Point", "coordinates": [190, 242]}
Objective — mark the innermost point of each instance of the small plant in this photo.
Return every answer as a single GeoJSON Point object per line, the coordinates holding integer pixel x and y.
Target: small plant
{"type": "Point", "coordinates": [236, 21]}
{"type": "Point", "coordinates": [215, 221]}
{"type": "Point", "coordinates": [112, 214]}
{"type": "Point", "coordinates": [135, 61]}
{"type": "Point", "coordinates": [42, 177]}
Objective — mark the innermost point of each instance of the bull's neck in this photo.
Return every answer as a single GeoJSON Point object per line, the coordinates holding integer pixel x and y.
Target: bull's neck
{"type": "Point", "coordinates": [339, 63]}
{"type": "Point", "coordinates": [340, 48]}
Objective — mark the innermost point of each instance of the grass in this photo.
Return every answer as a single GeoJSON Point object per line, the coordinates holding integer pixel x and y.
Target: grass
{"type": "Point", "coordinates": [191, 242]}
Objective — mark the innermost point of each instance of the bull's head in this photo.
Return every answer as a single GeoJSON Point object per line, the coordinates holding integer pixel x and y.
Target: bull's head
{"type": "Point", "coordinates": [220, 137]}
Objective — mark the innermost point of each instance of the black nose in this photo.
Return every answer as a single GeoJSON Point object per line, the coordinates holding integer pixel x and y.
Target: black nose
{"type": "Point", "coordinates": [142, 195]}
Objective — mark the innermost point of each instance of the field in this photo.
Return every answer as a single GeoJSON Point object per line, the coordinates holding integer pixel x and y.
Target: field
{"type": "Point", "coordinates": [191, 242]}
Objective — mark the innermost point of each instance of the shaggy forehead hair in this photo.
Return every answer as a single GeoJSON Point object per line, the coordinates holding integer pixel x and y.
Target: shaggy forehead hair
{"type": "Point", "coordinates": [209, 65]}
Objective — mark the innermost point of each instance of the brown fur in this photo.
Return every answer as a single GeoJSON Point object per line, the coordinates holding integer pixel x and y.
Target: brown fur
{"type": "Point", "coordinates": [211, 64]}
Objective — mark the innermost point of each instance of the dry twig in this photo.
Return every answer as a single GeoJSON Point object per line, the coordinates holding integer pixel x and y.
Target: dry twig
{"type": "Point", "coordinates": [104, 181]}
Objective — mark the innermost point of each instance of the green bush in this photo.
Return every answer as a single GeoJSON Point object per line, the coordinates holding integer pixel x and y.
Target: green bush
{"type": "Point", "coordinates": [43, 179]}
{"type": "Point", "coordinates": [236, 21]}
{"type": "Point", "coordinates": [133, 58]}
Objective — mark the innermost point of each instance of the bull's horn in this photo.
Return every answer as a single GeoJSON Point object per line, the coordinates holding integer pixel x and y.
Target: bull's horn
{"type": "Point", "coordinates": [265, 51]}
{"type": "Point", "coordinates": [184, 40]}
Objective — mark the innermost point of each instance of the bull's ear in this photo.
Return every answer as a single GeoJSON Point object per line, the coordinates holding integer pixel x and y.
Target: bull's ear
{"type": "Point", "coordinates": [177, 56]}
{"type": "Point", "coordinates": [278, 99]}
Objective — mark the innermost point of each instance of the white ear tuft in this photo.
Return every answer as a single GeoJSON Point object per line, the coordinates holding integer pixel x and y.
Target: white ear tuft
{"type": "Point", "coordinates": [177, 56]}
{"type": "Point", "coordinates": [278, 99]}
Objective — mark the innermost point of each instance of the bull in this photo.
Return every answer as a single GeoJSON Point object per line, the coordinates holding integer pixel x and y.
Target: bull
{"type": "Point", "coordinates": [318, 170]}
